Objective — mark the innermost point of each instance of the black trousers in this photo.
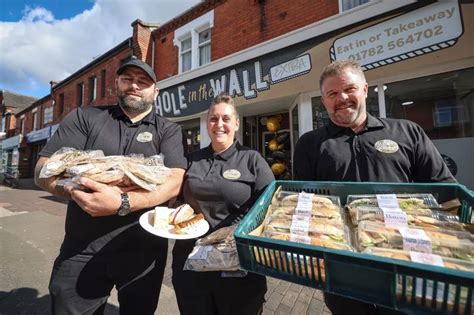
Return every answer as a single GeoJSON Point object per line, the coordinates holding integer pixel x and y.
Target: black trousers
{"type": "Point", "coordinates": [81, 283]}
{"type": "Point", "coordinates": [339, 305]}
{"type": "Point", "coordinates": [209, 293]}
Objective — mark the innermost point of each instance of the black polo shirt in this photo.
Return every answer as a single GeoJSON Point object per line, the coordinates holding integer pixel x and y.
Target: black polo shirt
{"type": "Point", "coordinates": [219, 185]}
{"type": "Point", "coordinates": [107, 128]}
{"type": "Point", "coordinates": [387, 150]}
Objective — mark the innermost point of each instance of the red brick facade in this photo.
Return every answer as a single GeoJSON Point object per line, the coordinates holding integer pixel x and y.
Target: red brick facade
{"type": "Point", "coordinates": [166, 57]}
{"type": "Point", "coordinates": [242, 24]}
{"type": "Point", "coordinates": [10, 104]}
{"type": "Point", "coordinates": [29, 152]}
{"type": "Point", "coordinates": [64, 98]}
{"type": "Point", "coordinates": [238, 24]}
{"type": "Point", "coordinates": [39, 105]}
{"type": "Point", "coordinates": [66, 95]}
{"type": "Point", "coordinates": [142, 42]}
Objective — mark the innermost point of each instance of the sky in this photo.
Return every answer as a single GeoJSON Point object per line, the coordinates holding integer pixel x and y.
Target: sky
{"type": "Point", "coordinates": [48, 40]}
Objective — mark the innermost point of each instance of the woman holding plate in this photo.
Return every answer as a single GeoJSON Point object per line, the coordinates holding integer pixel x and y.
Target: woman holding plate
{"type": "Point", "coordinates": [222, 182]}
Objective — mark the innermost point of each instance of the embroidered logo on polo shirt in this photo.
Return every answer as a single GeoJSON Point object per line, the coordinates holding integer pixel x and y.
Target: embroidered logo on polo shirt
{"type": "Point", "coordinates": [386, 146]}
{"type": "Point", "coordinates": [231, 174]}
{"type": "Point", "coordinates": [144, 137]}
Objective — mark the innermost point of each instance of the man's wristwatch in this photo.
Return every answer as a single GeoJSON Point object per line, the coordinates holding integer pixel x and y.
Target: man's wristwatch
{"type": "Point", "coordinates": [124, 208]}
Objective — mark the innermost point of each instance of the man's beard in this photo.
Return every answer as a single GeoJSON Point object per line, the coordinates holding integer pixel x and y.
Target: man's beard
{"type": "Point", "coordinates": [133, 106]}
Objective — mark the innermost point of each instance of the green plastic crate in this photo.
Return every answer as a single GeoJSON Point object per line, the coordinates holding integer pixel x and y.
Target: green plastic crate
{"type": "Point", "coordinates": [410, 287]}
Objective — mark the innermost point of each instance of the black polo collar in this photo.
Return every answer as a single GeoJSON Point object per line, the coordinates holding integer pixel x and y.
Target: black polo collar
{"type": "Point", "coordinates": [227, 153]}
{"type": "Point", "coordinates": [372, 123]}
{"type": "Point", "coordinates": [117, 112]}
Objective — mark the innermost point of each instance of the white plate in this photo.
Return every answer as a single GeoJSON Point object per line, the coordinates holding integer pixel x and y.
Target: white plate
{"type": "Point", "coordinates": [167, 231]}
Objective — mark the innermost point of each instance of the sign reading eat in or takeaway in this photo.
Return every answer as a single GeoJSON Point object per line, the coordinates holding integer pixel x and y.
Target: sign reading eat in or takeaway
{"type": "Point", "coordinates": [428, 29]}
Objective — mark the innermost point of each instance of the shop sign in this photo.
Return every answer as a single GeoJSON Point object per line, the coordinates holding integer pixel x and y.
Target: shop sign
{"type": "Point", "coordinates": [38, 135]}
{"type": "Point", "coordinates": [243, 80]}
{"type": "Point", "coordinates": [428, 29]}
{"type": "Point", "coordinates": [11, 142]}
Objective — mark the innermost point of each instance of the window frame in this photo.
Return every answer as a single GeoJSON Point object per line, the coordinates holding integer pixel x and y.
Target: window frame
{"type": "Point", "coordinates": [3, 124]}
{"type": "Point", "coordinates": [22, 124]}
{"type": "Point", "coordinates": [103, 77]}
{"type": "Point", "coordinates": [192, 30]}
{"type": "Point", "coordinates": [80, 94]}
{"type": "Point", "coordinates": [92, 89]}
{"type": "Point", "coordinates": [34, 112]}
{"type": "Point", "coordinates": [50, 114]}
{"type": "Point", "coordinates": [203, 44]}
{"type": "Point", "coordinates": [341, 5]}
{"type": "Point", "coordinates": [182, 53]}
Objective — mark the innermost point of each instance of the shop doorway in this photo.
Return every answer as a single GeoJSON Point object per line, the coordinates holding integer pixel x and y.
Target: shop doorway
{"type": "Point", "coordinates": [192, 135]}
{"type": "Point", "coordinates": [270, 135]}
{"type": "Point", "coordinates": [35, 150]}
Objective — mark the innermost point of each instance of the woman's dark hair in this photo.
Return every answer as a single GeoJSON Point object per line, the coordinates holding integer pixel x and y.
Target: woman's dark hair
{"type": "Point", "coordinates": [224, 97]}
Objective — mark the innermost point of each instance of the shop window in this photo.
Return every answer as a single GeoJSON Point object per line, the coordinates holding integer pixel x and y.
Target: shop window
{"type": "Point", "coordinates": [92, 89]}
{"type": "Point", "coordinates": [372, 101]}
{"type": "Point", "coordinates": [80, 94]}
{"type": "Point", "coordinates": [102, 83]}
{"type": "Point", "coordinates": [192, 135]}
{"type": "Point", "coordinates": [48, 115]}
{"type": "Point", "coordinates": [250, 132]}
{"type": "Point", "coordinates": [442, 104]}
{"type": "Point", "coordinates": [345, 5]}
{"type": "Point", "coordinates": [3, 161]}
{"type": "Point", "coordinates": [320, 115]}
{"type": "Point", "coordinates": [194, 42]}
{"type": "Point", "coordinates": [270, 135]}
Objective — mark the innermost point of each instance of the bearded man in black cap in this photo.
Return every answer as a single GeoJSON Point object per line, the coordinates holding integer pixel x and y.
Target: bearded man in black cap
{"type": "Point", "coordinates": [104, 246]}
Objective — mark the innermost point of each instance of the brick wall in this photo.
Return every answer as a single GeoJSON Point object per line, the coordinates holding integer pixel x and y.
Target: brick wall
{"type": "Point", "coordinates": [239, 24]}
{"type": "Point", "coordinates": [9, 121]}
{"type": "Point", "coordinates": [242, 24]}
{"type": "Point", "coordinates": [40, 105]}
{"type": "Point", "coordinates": [142, 40]}
{"type": "Point", "coordinates": [28, 152]}
{"type": "Point", "coordinates": [69, 101]}
{"type": "Point", "coordinates": [70, 90]}
{"type": "Point", "coordinates": [166, 57]}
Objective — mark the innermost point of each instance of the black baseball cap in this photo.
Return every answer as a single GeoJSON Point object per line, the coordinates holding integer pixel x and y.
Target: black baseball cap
{"type": "Point", "coordinates": [135, 62]}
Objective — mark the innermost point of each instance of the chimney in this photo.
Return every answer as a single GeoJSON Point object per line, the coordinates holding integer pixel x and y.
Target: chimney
{"type": "Point", "coordinates": [52, 84]}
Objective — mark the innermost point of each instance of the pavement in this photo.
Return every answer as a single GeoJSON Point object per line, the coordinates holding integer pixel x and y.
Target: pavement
{"type": "Point", "coordinates": [31, 231]}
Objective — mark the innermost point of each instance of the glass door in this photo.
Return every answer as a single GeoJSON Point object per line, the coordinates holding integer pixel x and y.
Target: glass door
{"type": "Point", "coordinates": [270, 135]}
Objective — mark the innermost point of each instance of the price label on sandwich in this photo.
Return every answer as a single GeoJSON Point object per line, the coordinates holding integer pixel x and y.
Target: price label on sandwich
{"type": "Point", "coordinates": [299, 225]}
{"type": "Point", "coordinates": [305, 203]}
{"type": "Point", "coordinates": [425, 258]}
{"type": "Point", "coordinates": [415, 240]}
{"type": "Point", "coordinates": [387, 201]}
{"type": "Point", "coordinates": [394, 217]}
{"type": "Point", "coordinates": [300, 238]}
